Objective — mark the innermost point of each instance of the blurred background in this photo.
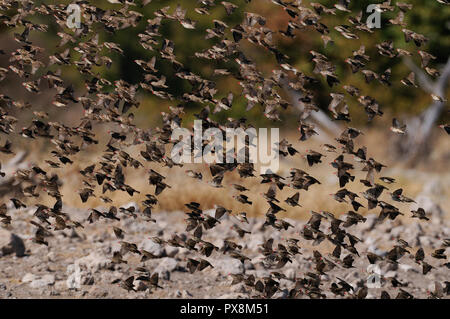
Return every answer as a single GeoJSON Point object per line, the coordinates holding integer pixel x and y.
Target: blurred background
{"type": "Point", "coordinates": [424, 169]}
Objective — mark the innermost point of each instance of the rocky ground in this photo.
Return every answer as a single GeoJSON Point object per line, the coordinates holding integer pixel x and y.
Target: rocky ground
{"type": "Point", "coordinates": [77, 263]}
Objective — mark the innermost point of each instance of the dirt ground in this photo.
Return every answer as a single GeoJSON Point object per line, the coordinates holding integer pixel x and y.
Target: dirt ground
{"type": "Point", "coordinates": [77, 264]}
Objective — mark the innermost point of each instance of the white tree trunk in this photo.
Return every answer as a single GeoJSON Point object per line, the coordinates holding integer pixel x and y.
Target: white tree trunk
{"type": "Point", "coordinates": [326, 126]}
{"type": "Point", "coordinates": [417, 143]}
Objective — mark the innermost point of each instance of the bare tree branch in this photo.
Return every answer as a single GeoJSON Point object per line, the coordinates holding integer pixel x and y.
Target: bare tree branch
{"type": "Point", "coordinates": [422, 78]}
{"type": "Point", "coordinates": [319, 117]}
{"type": "Point", "coordinates": [431, 114]}
{"type": "Point", "coordinates": [420, 128]}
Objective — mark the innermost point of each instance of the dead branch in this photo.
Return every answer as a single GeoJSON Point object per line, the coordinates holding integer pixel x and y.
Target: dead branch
{"type": "Point", "coordinates": [417, 143]}
{"type": "Point", "coordinates": [326, 125]}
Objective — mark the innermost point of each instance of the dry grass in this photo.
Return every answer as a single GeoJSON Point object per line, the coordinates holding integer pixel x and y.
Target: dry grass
{"type": "Point", "coordinates": [185, 189]}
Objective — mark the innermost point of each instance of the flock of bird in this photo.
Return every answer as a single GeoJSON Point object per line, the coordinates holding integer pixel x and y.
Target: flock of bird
{"type": "Point", "coordinates": [104, 102]}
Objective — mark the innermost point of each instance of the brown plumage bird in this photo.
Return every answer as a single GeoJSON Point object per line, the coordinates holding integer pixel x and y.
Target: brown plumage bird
{"type": "Point", "coordinates": [446, 128]}
{"type": "Point", "coordinates": [419, 213]}
{"type": "Point", "coordinates": [397, 127]}
{"type": "Point", "coordinates": [112, 102]}
{"type": "Point", "coordinates": [293, 200]}
{"type": "Point", "coordinates": [242, 199]}
{"type": "Point", "coordinates": [118, 232]}
{"type": "Point", "coordinates": [128, 284]}
{"type": "Point", "coordinates": [398, 197]}
{"type": "Point", "coordinates": [118, 258]}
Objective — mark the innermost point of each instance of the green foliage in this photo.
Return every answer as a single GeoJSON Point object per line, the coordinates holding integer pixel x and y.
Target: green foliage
{"type": "Point", "coordinates": [427, 17]}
